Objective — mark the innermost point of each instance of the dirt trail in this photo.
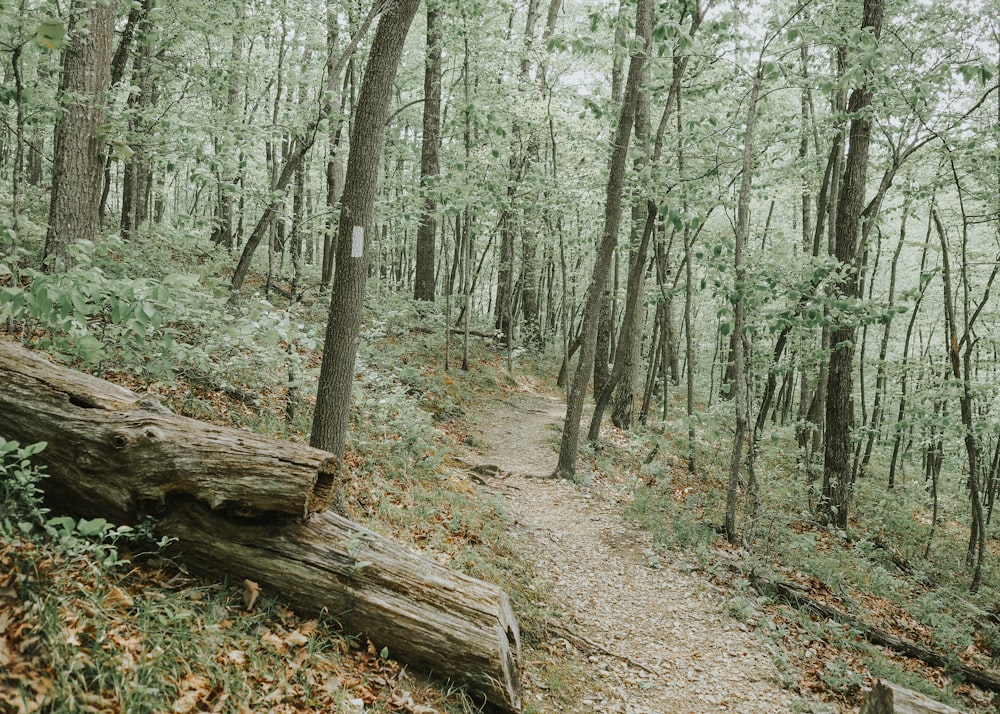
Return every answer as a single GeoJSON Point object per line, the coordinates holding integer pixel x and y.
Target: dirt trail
{"type": "Point", "coordinates": [669, 647]}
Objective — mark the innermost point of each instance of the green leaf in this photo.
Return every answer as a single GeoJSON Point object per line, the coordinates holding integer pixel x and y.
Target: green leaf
{"type": "Point", "coordinates": [64, 523]}
{"type": "Point", "coordinates": [92, 527]}
{"type": "Point", "coordinates": [121, 151]}
{"type": "Point", "coordinates": [32, 449]}
{"type": "Point", "coordinates": [51, 34]}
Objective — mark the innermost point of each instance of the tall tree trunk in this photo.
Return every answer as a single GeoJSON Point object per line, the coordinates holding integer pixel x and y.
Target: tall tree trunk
{"type": "Point", "coordinates": [532, 326]}
{"type": "Point", "coordinates": [960, 372]}
{"type": "Point", "coordinates": [875, 423]}
{"type": "Point", "coordinates": [504, 324]}
{"type": "Point", "coordinates": [622, 384]}
{"type": "Point", "coordinates": [569, 444]}
{"type": "Point", "coordinates": [222, 230]}
{"type": "Point", "coordinates": [334, 160]}
{"type": "Point", "coordinates": [627, 340]}
{"type": "Point", "coordinates": [605, 320]}
{"type": "Point", "coordinates": [837, 452]}
{"type": "Point", "coordinates": [138, 12]}
{"type": "Point", "coordinates": [623, 398]}
{"type": "Point", "coordinates": [739, 390]}
{"type": "Point", "coordinates": [298, 215]}
{"type": "Point", "coordinates": [76, 159]}
{"type": "Point", "coordinates": [336, 381]}
{"type": "Point", "coordinates": [300, 145]}
{"type": "Point", "coordinates": [810, 437]}
{"type": "Point", "coordinates": [137, 174]}
{"type": "Point", "coordinates": [532, 322]}
{"type": "Point", "coordinates": [19, 124]}
{"type": "Point", "coordinates": [423, 284]}
{"type": "Point", "coordinates": [904, 376]}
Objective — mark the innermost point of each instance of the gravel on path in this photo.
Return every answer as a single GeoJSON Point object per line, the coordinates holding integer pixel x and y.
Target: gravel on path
{"type": "Point", "coordinates": [651, 633]}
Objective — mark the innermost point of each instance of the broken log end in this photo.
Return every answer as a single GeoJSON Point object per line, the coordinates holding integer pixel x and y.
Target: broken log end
{"type": "Point", "coordinates": [326, 491]}
{"type": "Point", "coordinates": [889, 698]}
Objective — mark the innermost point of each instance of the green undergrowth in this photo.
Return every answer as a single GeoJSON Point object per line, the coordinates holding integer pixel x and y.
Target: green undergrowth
{"type": "Point", "coordinates": [103, 628]}
{"type": "Point", "coordinates": [93, 619]}
{"type": "Point", "coordinates": [881, 571]}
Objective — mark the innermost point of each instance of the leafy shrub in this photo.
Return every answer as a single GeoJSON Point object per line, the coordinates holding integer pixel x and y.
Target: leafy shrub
{"type": "Point", "coordinates": [20, 492]}
{"type": "Point", "coordinates": [25, 515]}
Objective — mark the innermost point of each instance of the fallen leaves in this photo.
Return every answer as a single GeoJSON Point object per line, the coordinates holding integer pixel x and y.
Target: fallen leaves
{"type": "Point", "coordinates": [403, 701]}
{"type": "Point", "coordinates": [72, 633]}
{"type": "Point", "coordinates": [25, 679]}
{"type": "Point", "coordinates": [195, 691]}
{"type": "Point", "coordinates": [251, 591]}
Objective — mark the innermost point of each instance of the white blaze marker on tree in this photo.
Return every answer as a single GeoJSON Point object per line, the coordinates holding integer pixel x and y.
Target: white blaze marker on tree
{"type": "Point", "coordinates": [358, 242]}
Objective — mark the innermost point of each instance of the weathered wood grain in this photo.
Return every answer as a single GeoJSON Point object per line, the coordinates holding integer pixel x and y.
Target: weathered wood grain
{"type": "Point", "coordinates": [121, 454]}
{"type": "Point", "coordinates": [889, 698]}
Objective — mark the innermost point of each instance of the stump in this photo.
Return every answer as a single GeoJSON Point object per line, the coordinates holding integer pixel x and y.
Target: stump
{"type": "Point", "coordinates": [889, 698]}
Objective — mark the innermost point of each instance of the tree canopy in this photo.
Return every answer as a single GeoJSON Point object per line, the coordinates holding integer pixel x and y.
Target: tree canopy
{"type": "Point", "coordinates": [810, 208]}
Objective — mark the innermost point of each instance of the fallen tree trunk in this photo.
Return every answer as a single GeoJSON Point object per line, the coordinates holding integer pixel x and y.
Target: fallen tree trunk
{"type": "Point", "coordinates": [877, 636]}
{"type": "Point", "coordinates": [440, 621]}
{"type": "Point", "coordinates": [889, 698]}
{"type": "Point", "coordinates": [241, 505]}
{"type": "Point", "coordinates": [119, 454]}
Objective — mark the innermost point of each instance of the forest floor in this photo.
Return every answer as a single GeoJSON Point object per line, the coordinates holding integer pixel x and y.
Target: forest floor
{"type": "Point", "coordinates": [647, 634]}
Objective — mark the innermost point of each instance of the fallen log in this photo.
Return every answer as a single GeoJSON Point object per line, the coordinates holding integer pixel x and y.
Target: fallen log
{"type": "Point", "coordinates": [439, 621]}
{"type": "Point", "coordinates": [474, 333]}
{"type": "Point", "coordinates": [889, 698]}
{"type": "Point", "coordinates": [121, 455]}
{"type": "Point", "coordinates": [877, 636]}
{"type": "Point", "coordinates": [234, 511]}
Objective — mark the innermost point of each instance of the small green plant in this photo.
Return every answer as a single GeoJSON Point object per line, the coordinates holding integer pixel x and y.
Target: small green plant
{"type": "Point", "coordinates": [840, 677]}
{"type": "Point", "coordinates": [741, 609]}
{"type": "Point", "coordinates": [24, 512]}
{"type": "Point", "coordinates": [20, 492]}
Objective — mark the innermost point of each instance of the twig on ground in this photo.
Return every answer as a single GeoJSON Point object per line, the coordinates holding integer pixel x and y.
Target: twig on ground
{"type": "Point", "coordinates": [586, 646]}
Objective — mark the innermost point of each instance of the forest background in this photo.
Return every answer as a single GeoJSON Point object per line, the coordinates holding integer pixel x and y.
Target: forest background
{"type": "Point", "coordinates": [802, 264]}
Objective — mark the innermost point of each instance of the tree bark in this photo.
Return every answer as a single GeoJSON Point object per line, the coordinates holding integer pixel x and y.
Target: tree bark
{"type": "Point", "coordinates": [333, 400]}
{"type": "Point", "coordinates": [889, 698]}
{"type": "Point", "coordinates": [619, 387]}
{"type": "Point", "coordinates": [428, 616]}
{"type": "Point", "coordinates": [76, 160]}
{"type": "Point", "coordinates": [569, 444]}
{"type": "Point", "coordinates": [237, 503]}
{"type": "Point", "coordinates": [627, 352]}
{"type": "Point", "coordinates": [739, 391]}
{"type": "Point", "coordinates": [837, 452]}
{"type": "Point", "coordinates": [423, 284]}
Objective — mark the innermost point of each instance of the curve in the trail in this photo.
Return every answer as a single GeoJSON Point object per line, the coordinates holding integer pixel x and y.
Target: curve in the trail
{"type": "Point", "coordinates": [652, 635]}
